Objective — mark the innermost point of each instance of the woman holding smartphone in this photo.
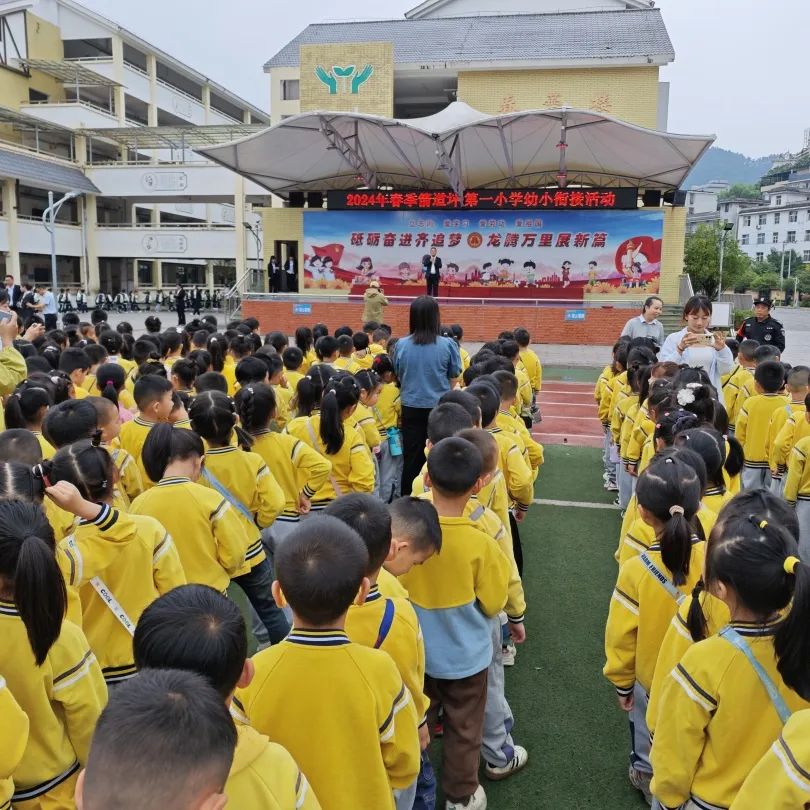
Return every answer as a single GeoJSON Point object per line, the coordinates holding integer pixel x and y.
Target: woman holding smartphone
{"type": "Point", "coordinates": [696, 346]}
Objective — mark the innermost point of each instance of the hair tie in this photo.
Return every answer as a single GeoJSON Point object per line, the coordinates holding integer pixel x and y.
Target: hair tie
{"type": "Point", "coordinates": [676, 509]}
{"type": "Point", "coordinates": [763, 524]}
{"type": "Point", "coordinates": [790, 565]}
{"type": "Point", "coordinates": [95, 439]}
{"type": "Point", "coordinates": [39, 472]}
{"type": "Point", "coordinates": [669, 460]}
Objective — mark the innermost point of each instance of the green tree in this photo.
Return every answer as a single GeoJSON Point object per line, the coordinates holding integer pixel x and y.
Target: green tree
{"type": "Point", "coordinates": [702, 260]}
{"type": "Point", "coordinates": [744, 191]}
{"type": "Point", "coordinates": [803, 277]}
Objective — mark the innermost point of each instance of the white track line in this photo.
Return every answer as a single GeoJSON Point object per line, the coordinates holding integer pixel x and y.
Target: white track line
{"type": "Point", "coordinates": [576, 504]}
{"type": "Point", "coordinates": [593, 405]}
{"type": "Point", "coordinates": [600, 436]}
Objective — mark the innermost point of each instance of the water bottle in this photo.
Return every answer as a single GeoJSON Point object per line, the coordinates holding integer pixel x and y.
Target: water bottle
{"type": "Point", "coordinates": [394, 441]}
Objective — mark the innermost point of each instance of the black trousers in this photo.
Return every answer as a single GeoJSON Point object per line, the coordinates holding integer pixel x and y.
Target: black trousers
{"type": "Point", "coordinates": [414, 436]}
{"type": "Point", "coordinates": [181, 315]}
{"type": "Point", "coordinates": [517, 547]}
{"type": "Point", "coordinates": [433, 285]}
{"type": "Point", "coordinates": [50, 322]}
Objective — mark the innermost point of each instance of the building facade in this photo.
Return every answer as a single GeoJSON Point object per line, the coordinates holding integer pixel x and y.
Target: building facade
{"type": "Point", "coordinates": [780, 223]}
{"type": "Point", "coordinates": [80, 97]}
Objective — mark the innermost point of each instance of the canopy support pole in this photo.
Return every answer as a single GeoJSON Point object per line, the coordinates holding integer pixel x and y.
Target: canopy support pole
{"type": "Point", "coordinates": [448, 166]}
{"type": "Point", "coordinates": [349, 152]}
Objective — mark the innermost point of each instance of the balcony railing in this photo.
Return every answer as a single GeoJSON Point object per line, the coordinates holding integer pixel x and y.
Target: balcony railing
{"type": "Point", "coordinates": [223, 226]}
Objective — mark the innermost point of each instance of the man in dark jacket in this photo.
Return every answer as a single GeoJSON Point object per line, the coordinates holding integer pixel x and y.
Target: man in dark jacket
{"type": "Point", "coordinates": [432, 270]}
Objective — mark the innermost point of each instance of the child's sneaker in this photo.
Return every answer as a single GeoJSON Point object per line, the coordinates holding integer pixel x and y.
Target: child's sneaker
{"type": "Point", "coordinates": [478, 801]}
{"type": "Point", "coordinates": [517, 763]}
{"type": "Point", "coordinates": [508, 653]}
{"type": "Point", "coordinates": [612, 486]}
{"type": "Point", "coordinates": [641, 782]}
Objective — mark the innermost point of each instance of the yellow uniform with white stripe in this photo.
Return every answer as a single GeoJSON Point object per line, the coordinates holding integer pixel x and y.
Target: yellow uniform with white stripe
{"type": "Point", "coordinates": [625, 403]}
{"type": "Point", "coordinates": [283, 399]}
{"type": "Point", "coordinates": [404, 642]}
{"type": "Point", "coordinates": [355, 698]}
{"type": "Point", "coordinates": [388, 410]}
{"type": "Point", "coordinates": [13, 740]}
{"type": "Point", "coordinates": [614, 393]}
{"type": "Point", "coordinates": [778, 420]}
{"type": "Point", "coordinates": [297, 468]}
{"type": "Point", "coordinates": [46, 448]}
{"type": "Point", "coordinates": [795, 429]}
{"type": "Point", "coordinates": [517, 473]}
{"type": "Point", "coordinates": [640, 612]}
{"type": "Point", "coordinates": [626, 430]}
{"type": "Point", "coordinates": [731, 385]}
{"type": "Point", "coordinates": [264, 775]}
{"type": "Point", "coordinates": [602, 381]}
{"type": "Point", "coordinates": [365, 423]}
{"type": "Point", "coordinates": [523, 405]}
{"type": "Point", "coordinates": [346, 364]}
{"type": "Point", "coordinates": [352, 467]}
{"type": "Point", "coordinates": [715, 718]}
{"type": "Point", "coordinates": [145, 567]}
{"type": "Point", "coordinates": [363, 358]}
{"type": "Point", "coordinates": [210, 537]}
{"type": "Point", "coordinates": [63, 699]}
{"type": "Point", "coordinates": [531, 362]}
{"type": "Point", "coordinates": [247, 479]}
{"type": "Point", "coordinates": [642, 429]}
{"type": "Point", "coordinates": [797, 485]}
{"type": "Point", "coordinates": [533, 451]}
{"type": "Point", "coordinates": [744, 389]}
{"type": "Point", "coordinates": [389, 585]}
{"type": "Point", "coordinates": [752, 427]}
{"type": "Point", "coordinates": [130, 483]}
{"type": "Point", "coordinates": [781, 779]}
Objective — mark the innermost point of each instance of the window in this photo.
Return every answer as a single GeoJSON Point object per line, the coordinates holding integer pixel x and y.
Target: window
{"type": "Point", "coordinates": [791, 236]}
{"type": "Point", "coordinates": [806, 257]}
{"type": "Point", "coordinates": [691, 210]}
{"type": "Point", "coordinates": [778, 199]}
{"type": "Point", "coordinates": [726, 207]}
{"type": "Point", "coordinates": [290, 89]}
{"type": "Point", "coordinates": [747, 222]}
{"type": "Point", "coordinates": [760, 238]}
{"type": "Point", "coordinates": [776, 218]}
{"type": "Point", "coordinates": [744, 240]}
{"type": "Point", "coordinates": [34, 96]}
{"type": "Point", "coordinates": [691, 198]}
{"type": "Point", "coordinates": [807, 236]}
{"type": "Point", "coordinates": [775, 237]}
{"type": "Point", "coordinates": [793, 216]}
{"type": "Point", "coordinates": [763, 219]}
{"type": "Point", "coordinates": [760, 257]}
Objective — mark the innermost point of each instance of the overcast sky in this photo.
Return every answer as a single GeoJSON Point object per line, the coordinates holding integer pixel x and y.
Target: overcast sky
{"type": "Point", "coordinates": [740, 70]}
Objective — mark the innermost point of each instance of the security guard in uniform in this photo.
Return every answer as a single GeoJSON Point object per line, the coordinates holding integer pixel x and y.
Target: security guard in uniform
{"type": "Point", "coordinates": [762, 327]}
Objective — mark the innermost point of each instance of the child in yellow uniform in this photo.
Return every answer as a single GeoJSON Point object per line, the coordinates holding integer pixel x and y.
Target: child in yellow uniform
{"type": "Point", "coordinates": [245, 481]}
{"type": "Point", "coordinates": [365, 421]}
{"type": "Point", "coordinates": [382, 622]}
{"type": "Point", "coordinates": [293, 359]}
{"type": "Point", "coordinates": [15, 738]}
{"type": "Point", "coordinates": [741, 376]}
{"type": "Point", "coordinates": [797, 392]}
{"type": "Point", "coordinates": [75, 363]}
{"type": "Point", "coordinates": [602, 394]}
{"type": "Point", "coordinates": [154, 397]}
{"type": "Point", "coordinates": [388, 415]}
{"type": "Point", "coordinates": [797, 490]}
{"type": "Point", "coordinates": [304, 343]}
{"type": "Point", "coordinates": [726, 701]}
{"type": "Point", "coordinates": [195, 628]}
{"type": "Point", "coordinates": [112, 383]}
{"type": "Point", "coordinates": [299, 470]}
{"type": "Point", "coordinates": [238, 348]}
{"type": "Point", "coordinates": [753, 422]}
{"type": "Point", "coordinates": [796, 428]}
{"type": "Point", "coordinates": [46, 662]}
{"type": "Point", "coordinates": [506, 420]}
{"type": "Point", "coordinates": [647, 593]}
{"type": "Point", "coordinates": [530, 360]}
{"type": "Point", "coordinates": [208, 533]}
{"type": "Point", "coordinates": [362, 356]}
{"type": "Point", "coordinates": [332, 435]}
{"type": "Point", "coordinates": [26, 409]}
{"type": "Point", "coordinates": [456, 594]}
{"type": "Point", "coordinates": [345, 359]}
{"type": "Point", "coordinates": [115, 584]}
{"type": "Point", "coordinates": [113, 343]}
{"type": "Point", "coordinates": [317, 683]}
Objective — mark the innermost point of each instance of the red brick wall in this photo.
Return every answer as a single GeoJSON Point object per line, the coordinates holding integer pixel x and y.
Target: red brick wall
{"type": "Point", "coordinates": [601, 326]}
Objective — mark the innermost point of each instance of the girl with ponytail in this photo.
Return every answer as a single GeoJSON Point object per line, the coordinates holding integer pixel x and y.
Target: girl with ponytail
{"type": "Point", "coordinates": [309, 392]}
{"type": "Point", "coordinates": [26, 409]}
{"type": "Point", "coordinates": [47, 662]}
{"type": "Point", "coordinates": [709, 445]}
{"type": "Point", "coordinates": [331, 434]}
{"type": "Point", "coordinates": [729, 697]}
{"type": "Point", "coordinates": [388, 413]}
{"type": "Point", "coordinates": [245, 481]}
{"type": "Point", "coordinates": [111, 382]}
{"type": "Point", "coordinates": [119, 563]}
{"type": "Point", "coordinates": [304, 340]}
{"type": "Point", "coordinates": [647, 593]}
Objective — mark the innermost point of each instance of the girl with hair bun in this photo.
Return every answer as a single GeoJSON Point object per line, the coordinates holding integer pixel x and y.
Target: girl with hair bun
{"type": "Point", "coordinates": [26, 408]}
{"type": "Point", "coordinates": [647, 593]}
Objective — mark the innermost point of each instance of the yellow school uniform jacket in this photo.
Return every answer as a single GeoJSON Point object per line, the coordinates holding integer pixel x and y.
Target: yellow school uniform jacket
{"type": "Point", "coordinates": [626, 430]}
{"type": "Point", "coordinates": [229, 372]}
{"type": "Point", "coordinates": [795, 429]}
{"type": "Point", "coordinates": [619, 389]}
{"type": "Point", "coordinates": [62, 698]}
{"type": "Point", "coordinates": [781, 779]}
{"type": "Point", "coordinates": [752, 427]}
{"type": "Point", "coordinates": [797, 485]}
{"type": "Point", "coordinates": [249, 480]}
{"type": "Point", "coordinates": [132, 438]}
{"type": "Point", "coordinates": [642, 429]}
{"type": "Point", "coordinates": [647, 453]}
{"type": "Point", "coordinates": [678, 639]}
{"type": "Point", "coordinates": [531, 362]}
{"type": "Point", "coordinates": [14, 737]}
{"type": "Point", "coordinates": [390, 624]}
{"type": "Point", "coordinates": [454, 594]}
{"type": "Point", "coordinates": [640, 612]}
{"type": "Point", "coordinates": [517, 473]}
{"type": "Point", "coordinates": [12, 372]}
{"type": "Point", "coordinates": [354, 700]}
{"type": "Point", "coordinates": [208, 534]}
{"type": "Point", "coordinates": [715, 719]}
{"type": "Point", "coordinates": [465, 358]}
{"type": "Point", "coordinates": [376, 349]}
{"type": "Point", "coordinates": [365, 422]}
{"type": "Point", "coordinates": [389, 585]}
{"type": "Point", "coordinates": [731, 384]}
{"type": "Point", "coordinates": [533, 451]}
{"type": "Point", "coordinates": [346, 364]}
{"type": "Point", "coordinates": [264, 775]}
{"type": "Point", "coordinates": [779, 419]}
{"type": "Point", "coordinates": [735, 394]}
{"type": "Point", "coordinates": [310, 358]}
{"type": "Point", "coordinates": [363, 359]}
{"type": "Point", "coordinates": [624, 402]}
{"type": "Point", "coordinates": [130, 482]}
{"type": "Point", "coordinates": [523, 405]}
{"type": "Point", "coordinates": [129, 366]}
{"type": "Point", "coordinates": [297, 468]}
{"type": "Point", "coordinates": [388, 410]}
{"type": "Point", "coordinates": [293, 378]}
{"type": "Point", "coordinates": [79, 392]}
{"type": "Point", "coordinates": [283, 399]}
{"type": "Point", "coordinates": [352, 467]}
{"type": "Point", "coordinates": [601, 381]}
{"type": "Point", "coordinates": [46, 448]}
{"type": "Point", "coordinates": [143, 569]}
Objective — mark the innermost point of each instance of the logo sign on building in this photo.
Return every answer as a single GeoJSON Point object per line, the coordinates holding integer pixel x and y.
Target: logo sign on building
{"type": "Point", "coordinates": [345, 80]}
{"type": "Point", "coordinates": [538, 199]}
{"type": "Point", "coordinates": [302, 309]}
{"type": "Point", "coordinates": [574, 314]}
{"type": "Point", "coordinates": [566, 256]}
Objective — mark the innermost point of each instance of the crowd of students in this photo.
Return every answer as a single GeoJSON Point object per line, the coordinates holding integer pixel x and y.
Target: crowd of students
{"type": "Point", "coordinates": [708, 632]}
{"type": "Point", "coordinates": [141, 479]}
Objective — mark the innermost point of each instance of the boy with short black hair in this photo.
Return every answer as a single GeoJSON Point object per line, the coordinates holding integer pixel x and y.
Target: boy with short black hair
{"type": "Point", "coordinates": [319, 685]}
{"type": "Point", "coordinates": [185, 746]}
{"type": "Point", "coordinates": [211, 381]}
{"type": "Point", "coordinates": [68, 422]}
{"type": "Point", "coordinates": [531, 362]}
{"type": "Point", "coordinates": [378, 341]}
{"type": "Point", "coordinates": [75, 363]}
{"type": "Point", "coordinates": [18, 444]}
{"type": "Point", "coordinates": [797, 389]}
{"type": "Point", "coordinates": [346, 361]}
{"type": "Point", "coordinates": [293, 359]}
{"type": "Point", "coordinates": [456, 594]}
{"type": "Point", "coordinates": [362, 356]}
{"type": "Point", "coordinates": [754, 420]}
{"type": "Point", "coordinates": [741, 376]}
{"type": "Point", "coordinates": [197, 629]}
{"type": "Point", "coordinates": [508, 421]}
{"type": "Point", "coordinates": [251, 369]}
{"type": "Point", "coordinates": [326, 349]}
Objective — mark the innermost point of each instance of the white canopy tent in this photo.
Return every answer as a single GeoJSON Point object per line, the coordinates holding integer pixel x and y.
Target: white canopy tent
{"type": "Point", "coordinates": [460, 148]}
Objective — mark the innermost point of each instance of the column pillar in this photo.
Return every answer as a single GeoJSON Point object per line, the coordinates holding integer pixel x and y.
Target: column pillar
{"type": "Point", "coordinates": [157, 265]}
{"type": "Point", "coordinates": [90, 276]}
{"type": "Point", "coordinates": [240, 232]}
{"type": "Point", "coordinates": [119, 91]}
{"type": "Point", "coordinates": [9, 191]}
{"type": "Point", "coordinates": [209, 275]}
{"type": "Point", "coordinates": [206, 101]}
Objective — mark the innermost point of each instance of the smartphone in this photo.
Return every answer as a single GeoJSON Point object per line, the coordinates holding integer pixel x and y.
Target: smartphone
{"type": "Point", "coordinates": [6, 316]}
{"type": "Point", "coordinates": [705, 340]}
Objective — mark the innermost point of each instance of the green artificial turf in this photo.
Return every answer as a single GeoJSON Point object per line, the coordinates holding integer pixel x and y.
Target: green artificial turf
{"type": "Point", "coordinates": [572, 474]}
{"type": "Point", "coordinates": [580, 374]}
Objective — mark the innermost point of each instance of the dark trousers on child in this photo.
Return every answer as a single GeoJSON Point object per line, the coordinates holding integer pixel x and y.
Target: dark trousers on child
{"type": "Point", "coordinates": [464, 702]}
{"type": "Point", "coordinates": [256, 586]}
{"type": "Point", "coordinates": [517, 547]}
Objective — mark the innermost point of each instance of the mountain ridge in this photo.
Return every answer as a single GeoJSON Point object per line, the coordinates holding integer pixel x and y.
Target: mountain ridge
{"type": "Point", "coordinates": [733, 167]}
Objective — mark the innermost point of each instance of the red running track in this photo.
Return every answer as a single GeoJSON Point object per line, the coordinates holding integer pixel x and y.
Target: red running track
{"type": "Point", "coordinates": [569, 415]}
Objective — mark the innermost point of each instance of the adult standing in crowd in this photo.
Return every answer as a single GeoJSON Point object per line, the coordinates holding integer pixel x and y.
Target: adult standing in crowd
{"type": "Point", "coordinates": [15, 293]}
{"type": "Point", "coordinates": [432, 269]}
{"type": "Point", "coordinates": [273, 275]}
{"type": "Point", "coordinates": [762, 327]}
{"type": "Point", "coordinates": [291, 272]}
{"type": "Point", "coordinates": [647, 324]}
{"type": "Point", "coordinates": [373, 302]}
{"type": "Point", "coordinates": [426, 364]}
{"type": "Point", "coordinates": [696, 346]}
{"type": "Point", "coordinates": [180, 304]}
{"type": "Point", "coordinates": [46, 306]}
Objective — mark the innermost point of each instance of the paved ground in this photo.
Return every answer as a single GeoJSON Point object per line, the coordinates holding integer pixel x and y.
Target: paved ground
{"type": "Point", "coordinates": [797, 328]}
